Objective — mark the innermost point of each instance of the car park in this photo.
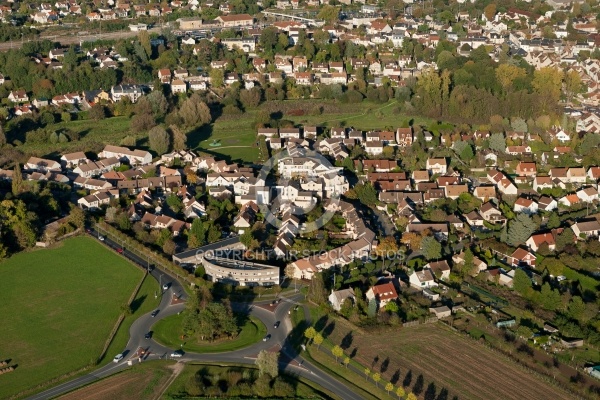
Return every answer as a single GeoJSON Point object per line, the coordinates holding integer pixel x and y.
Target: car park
{"type": "Point", "coordinates": [118, 357]}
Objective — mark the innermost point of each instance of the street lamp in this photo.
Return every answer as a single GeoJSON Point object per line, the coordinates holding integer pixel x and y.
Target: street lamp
{"type": "Point", "coordinates": [160, 281]}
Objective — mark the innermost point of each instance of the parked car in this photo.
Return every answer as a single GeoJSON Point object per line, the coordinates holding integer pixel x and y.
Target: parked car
{"type": "Point", "coordinates": [166, 286]}
{"type": "Point", "coordinates": [118, 357]}
{"type": "Point", "coordinates": [101, 238]}
{"type": "Point", "coordinates": [120, 250]}
{"type": "Point", "coordinates": [177, 354]}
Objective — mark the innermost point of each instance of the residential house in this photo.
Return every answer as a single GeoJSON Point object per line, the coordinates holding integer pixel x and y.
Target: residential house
{"type": "Point", "coordinates": [134, 157]}
{"type": "Point", "coordinates": [526, 206]}
{"type": "Point", "coordinates": [42, 165]}
{"type": "Point", "coordinates": [586, 228]}
{"type": "Point", "coordinates": [522, 257]}
{"type": "Point", "coordinates": [436, 166]}
{"type": "Point", "coordinates": [338, 297]}
{"type": "Point", "coordinates": [382, 294]}
{"type": "Point", "coordinates": [422, 279]}
{"type": "Point", "coordinates": [439, 269]}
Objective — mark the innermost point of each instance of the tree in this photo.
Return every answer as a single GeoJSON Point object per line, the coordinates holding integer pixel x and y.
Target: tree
{"type": "Point", "coordinates": [553, 221]}
{"type": "Point", "coordinates": [159, 140]}
{"type": "Point", "coordinates": [346, 361]}
{"type": "Point", "coordinates": [97, 112]}
{"type": "Point", "coordinates": [158, 103]}
{"type": "Point", "coordinates": [400, 392]}
{"type": "Point", "coordinates": [573, 84]}
{"type": "Point", "coordinates": [521, 282]}
{"type": "Point", "coordinates": [337, 352]}
{"type": "Point", "coordinates": [367, 373]}
{"type": "Point", "coordinates": [169, 247]}
{"type": "Point", "coordinates": [251, 98]}
{"type": "Point", "coordinates": [411, 396]}
{"type": "Point", "coordinates": [576, 308]}
{"type": "Point", "coordinates": [498, 142]}
{"type": "Point", "coordinates": [547, 82]}
{"type": "Point", "coordinates": [196, 235]}
{"type": "Point", "coordinates": [179, 138]}
{"type": "Point", "coordinates": [318, 340]}
{"type": "Point", "coordinates": [554, 266]}
{"type": "Point", "coordinates": [268, 38]}
{"type": "Point", "coordinates": [376, 378]}
{"type": "Point", "coordinates": [506, 74]}
{"type": "Point", "coordinates": [174, 203]}
{"type": "Point", "coordinates": [412, 240]}
{"type": "Point", "coordinates": [566, 237]}
{"type": "Point", "coordinates": [267, 362]}
{"type": "Point", "coordinates": [17, 180]}
{"type": "Point", "coordinates": [468, 264]}
{"type": "Point", "coordinates": [195, 112]}
{"type": "Point", "coordinates": [77, 217]}
{"type": "Point", "coordinates": [431, 248]}
{"type": "Point", "coordinates": [366, 193]}
{"type": "Point", "coordinates": [550, 299]}
{"type": "Point", "coordinates": [389, 387]}
{"type": "Point", "coordinates": [142, 122]}
{"type": "Point", "coordinates": [490, 11]}
{"type": "Point", "coordinates": [329, 13]}
{"type": "Point", "coordinates": [520, 229]}
{"type": "Point", "coordinates": [310, 333]}
{"type": "Point", "coordinates": [217, 77]}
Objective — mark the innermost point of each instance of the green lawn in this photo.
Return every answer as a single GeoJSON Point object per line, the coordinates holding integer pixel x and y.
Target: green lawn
{"type": "Point", "coordinates": [144, 302]}
{"type": "Point", "coordinates": [237, 135]}
{"type": "Point", "coordinates": [93, 136]}
{"type": "Point", "coordinates": [167, 331]}
{"type": "Point", "coordinates": [58, 307]}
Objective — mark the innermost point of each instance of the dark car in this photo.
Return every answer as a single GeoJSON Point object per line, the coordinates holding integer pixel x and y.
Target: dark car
{"type": "Point", "coordinates": [267, 337]}
{"type": "Point", "coordinates": [148, 335]}
{"type": "Point", "coordinates": [154, 313]}
{"type": "Point", "coordinates": [276, 324]}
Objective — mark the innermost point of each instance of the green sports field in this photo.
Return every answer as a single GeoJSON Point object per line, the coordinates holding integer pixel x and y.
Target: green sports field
{"type": "Point", "coordinates": [58, 307]}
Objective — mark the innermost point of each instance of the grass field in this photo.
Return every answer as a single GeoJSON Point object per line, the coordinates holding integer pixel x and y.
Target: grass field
{"type": "Point", "coordinates": [167, 331]}
{"type": "Point", "coordinates": [93, 136]}
{"type": "Point", "coordinates": [237, 135]}
{"type": "Point", "coordinates": [140, 382]}
{"type": "Point", "coordinates": [58, 307]}
{"type": "Point", "coordinates": [431, 358]}
{"type": "Point", "coordinates": [144, 302]}
{"type": "Point", "coordinates": [304, 388]}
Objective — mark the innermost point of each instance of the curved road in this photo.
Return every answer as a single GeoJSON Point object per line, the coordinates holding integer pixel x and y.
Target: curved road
{"type": "Point", "coordinates": [290, 361]}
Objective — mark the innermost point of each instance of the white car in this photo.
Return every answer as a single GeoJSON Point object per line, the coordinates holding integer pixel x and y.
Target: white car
{"type": "Point", "coordinates": [177, 354]}
{"type": "Point", "coordinates": [101, 238]}
{"type": "Point", "coordinates": [166, 286]}
{"type": "Point", "coordinates": [118, 357]}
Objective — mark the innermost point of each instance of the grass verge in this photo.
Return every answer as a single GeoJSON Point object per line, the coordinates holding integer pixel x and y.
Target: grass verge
{"type": "Point", "coordinates": [166, 332]}
{"type": "Point", "coordinates": [59, 306]}
{"type": "Point", "coordinates": [144, 302]}
{"type": "Point", "coordinates": [304, 388]}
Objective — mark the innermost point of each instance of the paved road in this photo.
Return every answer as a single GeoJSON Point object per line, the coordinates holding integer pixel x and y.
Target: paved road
{"type": "Point", "coordinates": [290, 361]}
